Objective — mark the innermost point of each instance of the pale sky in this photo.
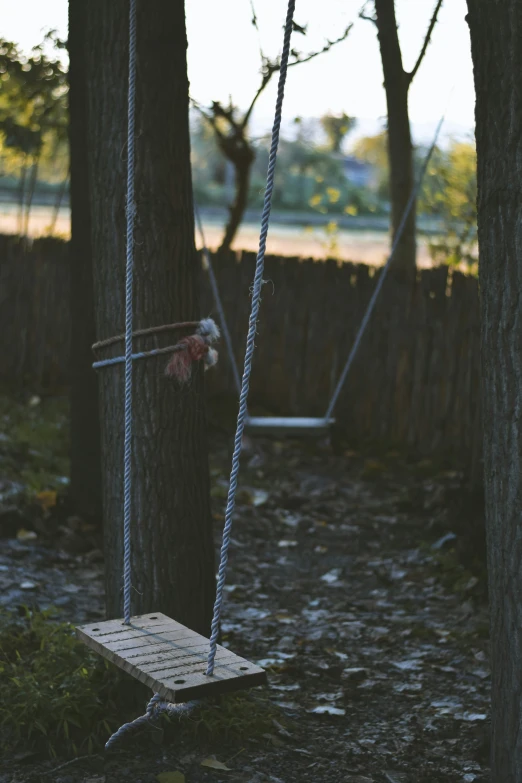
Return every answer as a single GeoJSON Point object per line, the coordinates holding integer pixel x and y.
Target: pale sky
{"type": "Point", "coordinates": [223, 57]}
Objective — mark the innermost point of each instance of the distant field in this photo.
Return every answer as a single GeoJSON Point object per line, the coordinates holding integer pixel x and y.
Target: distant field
{"type": "Point", "coordinates": [365, 246]}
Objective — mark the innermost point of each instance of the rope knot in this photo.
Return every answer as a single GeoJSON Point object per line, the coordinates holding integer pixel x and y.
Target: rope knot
{"type": "Point", "coordinates": [194, 348]}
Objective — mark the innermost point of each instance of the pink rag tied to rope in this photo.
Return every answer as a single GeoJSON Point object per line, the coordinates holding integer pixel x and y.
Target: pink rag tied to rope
{"type": "Point", "coordinates": [192, 349]}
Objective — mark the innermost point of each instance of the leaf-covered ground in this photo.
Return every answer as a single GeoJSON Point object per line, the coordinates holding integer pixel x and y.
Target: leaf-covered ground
{"type": "Point", "coordinates": [343, 583]}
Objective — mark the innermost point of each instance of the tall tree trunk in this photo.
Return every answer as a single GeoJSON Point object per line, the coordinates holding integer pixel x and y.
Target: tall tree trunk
{"type": "Point", "coordinates": [172, 544]}
{"type": "Point", "coordinates": [86, 488]}
{"type": "Point", "coordinates": [242, 168]}
{"type": "Point", "coordinates": [400, 148]}
{"type": "Point", "coordinates": [21, 197]}
{"type": "Point", "coordinates": [496, 43]}
{"type": "Point", "coordinates": [61, 191]}
{"type": "Point", "coordinates": [30, 194]}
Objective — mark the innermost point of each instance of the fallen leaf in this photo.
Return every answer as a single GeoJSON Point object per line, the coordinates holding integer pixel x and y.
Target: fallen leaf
{"type": "Point", "coordinates": [260, 497]}
{"type": "Point", "coordinates": [327, 709]}
{"type": "Point", "coordinates": [27, 585]}
{"type": "Point", "coordinates": [47, 499]}
{"type": "Point", "coordinates": [276, 742]}
{"type": "Point", "coordinates": [332, 576]}
{"type": "Point", "coordinates": [213, 764]}
{"type": "Point", "coordinates": [26, 535]}
{"type": "Point", "coordinates": [171, 777]}
{"type": "Point", "coordinates": [407, 665]}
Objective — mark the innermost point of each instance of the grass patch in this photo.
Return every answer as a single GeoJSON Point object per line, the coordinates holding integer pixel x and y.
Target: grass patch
{"type": "Point", "coordinates": [55, 695]}
{"type": "Point", "coordinates": [234, 718]}
{"type": "Point", "coordinates": [34, 445]}
{"type": "Point", "coordinates": [59, 698]}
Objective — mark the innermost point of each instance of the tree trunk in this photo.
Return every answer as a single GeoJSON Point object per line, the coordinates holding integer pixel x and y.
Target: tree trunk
{"type": "Point", "coordinates": [172, 543]}
{"type": "Point", "coordinates": [63, 188]}
{"type": "Point", "coordinates": [21, 197]}
{"type": "Point", "coordinates": [30, 194]}
{"type": "Point", "coordinates": [242, 168]}
{"type": "Point", "coordinates": [496, 43]}
{"type": "Point", "coordinates": [86, 489]}
{"type": "Point", "coordinates": [400, 148]}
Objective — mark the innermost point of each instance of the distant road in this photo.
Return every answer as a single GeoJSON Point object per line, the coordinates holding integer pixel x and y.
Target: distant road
{"type": "Point", "coordinates": [362, 239]}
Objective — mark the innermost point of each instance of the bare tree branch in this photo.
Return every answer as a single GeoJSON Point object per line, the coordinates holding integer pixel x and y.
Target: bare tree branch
{"type": "Point", "coordinates": [256, 25]}
{"type": "Point", "coordinates": [364, 15]}
{"type": "Point", "coordinates": [427, 39]}
{"type": "Point", "coordinates": [269, 68]}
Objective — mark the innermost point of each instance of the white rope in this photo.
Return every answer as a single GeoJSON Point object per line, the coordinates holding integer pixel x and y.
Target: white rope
{"type": "Point", "coordinates": [252, 326]}
{"type": "Point", "coordinates": [129, 270]}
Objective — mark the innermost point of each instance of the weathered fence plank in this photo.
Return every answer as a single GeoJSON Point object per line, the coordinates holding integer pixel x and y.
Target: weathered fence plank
{"type": "Point", "coordinates": [414, 383]}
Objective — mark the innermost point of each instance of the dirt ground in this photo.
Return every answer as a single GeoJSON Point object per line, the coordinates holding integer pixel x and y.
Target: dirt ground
{"type": "Point", "coordinates": [339, 585]}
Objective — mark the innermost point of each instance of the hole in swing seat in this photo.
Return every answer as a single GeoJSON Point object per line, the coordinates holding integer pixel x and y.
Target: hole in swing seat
{"type": "Point", "coordinates": [179, 682]}
{"type": "Point", "coordinates": [95, 629]}
{"type": "Point", "coordinates": [243, 668]}
{"type": "Point", "coordinates": [153, 618]}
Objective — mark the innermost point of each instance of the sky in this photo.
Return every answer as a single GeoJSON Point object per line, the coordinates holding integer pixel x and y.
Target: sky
{"type": "Point", "coordinates": [348, 78]}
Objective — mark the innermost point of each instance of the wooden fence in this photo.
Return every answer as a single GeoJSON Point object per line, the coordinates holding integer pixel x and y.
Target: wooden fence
{"type": "Point", "coordinates": [415, 382]}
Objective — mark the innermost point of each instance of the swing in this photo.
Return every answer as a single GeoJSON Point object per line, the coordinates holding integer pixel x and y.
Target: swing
{"type": "Point", "coordinates": [293, 426]}
{"type": "Point", "coordinates": [158, 651]}
{"type": "Point", "coordinates": [181, 666]}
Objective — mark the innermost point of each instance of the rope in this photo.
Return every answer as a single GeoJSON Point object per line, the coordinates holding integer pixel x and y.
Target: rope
{"type": "Point", "coordinates": [219, 304]}
{"type": "Point", "coordinates": [256, 299]}
{"type": "Point", "coordinates": [153, 710]}
{"type": "Point", "coordinates": [206, 329]}
{"type": "Point", "coordinates": [131, 214]}
{"type": "Point", "coordinates": [382, 276]}
{"type": "Point", "coordinates": [144, 332]}
{"type": "Point", "coordinates": [141, 355]}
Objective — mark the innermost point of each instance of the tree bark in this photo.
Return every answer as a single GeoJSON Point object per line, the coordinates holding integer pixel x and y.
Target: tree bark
{"type": "Point", "coordinates": [496, 43]}
{"type": "Point", "coordinates": [33, 177]}
{"type": "Point", "coordinates": [400, 148]}
{"type": "Point", "coordinates": [85, 490]}
{"type": "Point", "coordinates": [242, 169]}
{"type": "Point", "coordinates": [172, 546]}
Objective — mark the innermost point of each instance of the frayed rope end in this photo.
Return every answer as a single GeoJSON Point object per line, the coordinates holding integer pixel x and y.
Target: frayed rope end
{"type": "Point", "coordinates": [192, 349]}
{"type": "Point", "coordinates": [209, 330]}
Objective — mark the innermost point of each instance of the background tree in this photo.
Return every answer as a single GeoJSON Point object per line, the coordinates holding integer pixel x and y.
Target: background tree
{"type": "Point", "coordinates": [173, 554]}
{"type": "Point", "coordinates": [336, 127]}
{"type": "Point", "coordinates": [231, 129]}
{"type": "Point", "coordinates": [450, 194]}
{"type": "Point", "coordinates": [86, 492]}
{"type": "Point", "coordinates": [397, 82]}
{"type": "Point", "coordinates": [33, 112]}
{"type": "Point", "coordinates": [496, 46]}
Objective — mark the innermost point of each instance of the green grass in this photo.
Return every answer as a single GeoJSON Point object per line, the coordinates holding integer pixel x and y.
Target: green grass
{"type": "Point", "coordinates": [35, 442]}
{"type": "Point", "coordinates": [58, 698]}
{"type": "Point", "coordinates": [55, 695]}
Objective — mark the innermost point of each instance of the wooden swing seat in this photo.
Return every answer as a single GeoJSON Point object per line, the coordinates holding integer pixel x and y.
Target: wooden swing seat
{"type": "Point", "coordinates": [287, 425]}
{"type": "Point", "coordinates": [169, 658]}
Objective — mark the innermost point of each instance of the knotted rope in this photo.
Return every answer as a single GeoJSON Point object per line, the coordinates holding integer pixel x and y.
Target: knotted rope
{"type": "Point", "coordinates": [252, 324]}
{"type": "Point", "coordinates": [185, 352]}
{"type": "Point", "coordinates": [152, 712]}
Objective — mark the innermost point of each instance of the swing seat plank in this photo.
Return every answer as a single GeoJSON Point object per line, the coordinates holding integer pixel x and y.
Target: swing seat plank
{"type": "Point", "coordinates": [169, 658]}
{"type": "Point", "coordinates": [287, 425]}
